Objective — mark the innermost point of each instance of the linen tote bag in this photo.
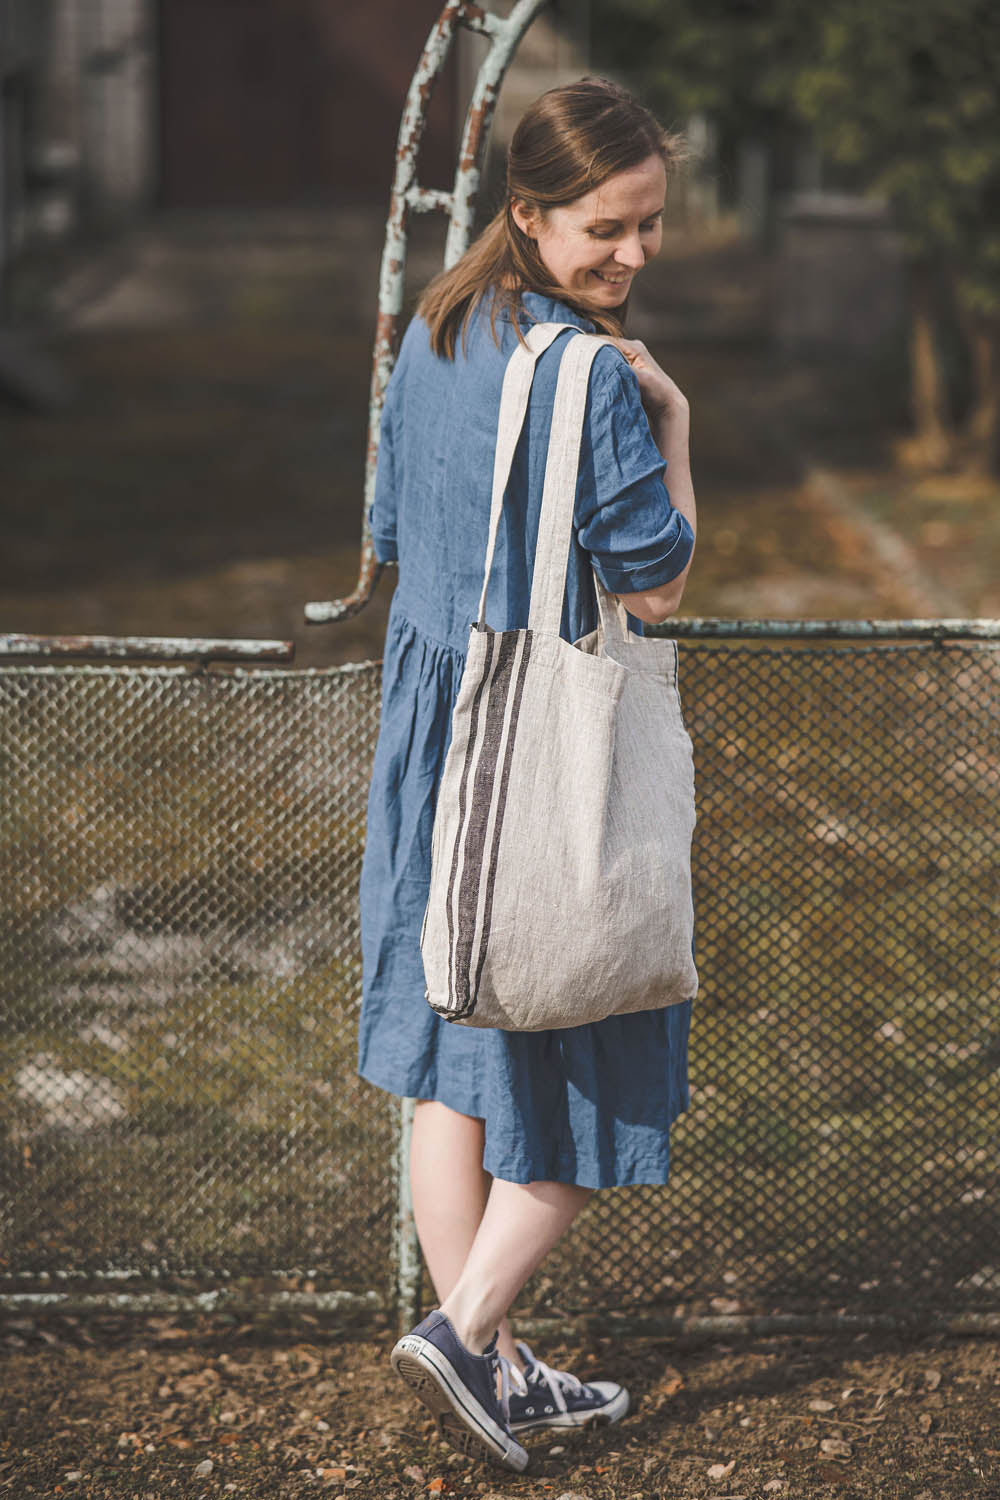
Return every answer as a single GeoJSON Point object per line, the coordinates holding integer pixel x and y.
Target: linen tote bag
{"type": "Point", "coordinates": [560, 887]}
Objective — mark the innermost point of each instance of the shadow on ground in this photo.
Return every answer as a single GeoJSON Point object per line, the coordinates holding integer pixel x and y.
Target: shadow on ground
{"type": "Point", "coordinates": [115, 1409]}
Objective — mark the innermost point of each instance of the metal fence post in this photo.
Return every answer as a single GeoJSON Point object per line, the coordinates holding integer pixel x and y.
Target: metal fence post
{"type": "Point", "coordinates": [407, 1246]}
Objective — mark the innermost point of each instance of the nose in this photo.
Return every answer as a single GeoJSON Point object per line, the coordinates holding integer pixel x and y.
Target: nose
{"type": "Point", "coordinates": [629, 253]}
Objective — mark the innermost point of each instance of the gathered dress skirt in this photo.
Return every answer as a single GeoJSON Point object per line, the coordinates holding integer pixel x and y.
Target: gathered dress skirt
{"type": "Point", "coordinates": [590, 1104]}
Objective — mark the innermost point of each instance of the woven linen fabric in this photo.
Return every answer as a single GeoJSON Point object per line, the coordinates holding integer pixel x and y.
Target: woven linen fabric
{"type": "Point", "coordinates": [590, 1104]}
{"type": "Point", "coordinates": [561, 857]}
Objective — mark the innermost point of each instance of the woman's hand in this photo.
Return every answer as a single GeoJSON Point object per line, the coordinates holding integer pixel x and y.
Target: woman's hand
{"type": "Point", "coordinates": [660, 396]}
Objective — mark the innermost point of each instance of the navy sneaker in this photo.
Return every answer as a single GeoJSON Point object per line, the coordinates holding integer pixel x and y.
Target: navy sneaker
{"type": "Point", "coordinates": [543, 1397]}
{"type": "Point", "coordinates": [460, 1388]}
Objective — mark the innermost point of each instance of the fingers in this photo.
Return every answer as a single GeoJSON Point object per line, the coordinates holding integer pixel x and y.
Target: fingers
{"type": "Point", "coordinates": [635, 352]}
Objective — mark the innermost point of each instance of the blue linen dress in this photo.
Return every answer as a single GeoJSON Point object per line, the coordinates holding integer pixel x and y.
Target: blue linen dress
{"type": "Point", "coordinates": [589, 1104]}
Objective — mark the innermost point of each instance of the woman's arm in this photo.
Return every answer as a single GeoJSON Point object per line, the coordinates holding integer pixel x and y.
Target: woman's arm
{"type": "Point", "coordinates": [669, 417]}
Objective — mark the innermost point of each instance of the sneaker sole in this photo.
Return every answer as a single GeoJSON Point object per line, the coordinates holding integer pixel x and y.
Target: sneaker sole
{"type": "Point", "coordinates": [603, 1416]}
{"type": "Point", "coordinates": [461, 1420]}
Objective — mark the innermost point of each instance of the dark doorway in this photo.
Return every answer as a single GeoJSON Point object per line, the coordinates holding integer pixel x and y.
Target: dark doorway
{"type": "Point", "coordinates": [280, 101]}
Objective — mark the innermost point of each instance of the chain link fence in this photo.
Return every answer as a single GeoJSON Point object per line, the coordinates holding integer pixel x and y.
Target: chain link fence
{"type": "Point", "coordinates": [181, 975]}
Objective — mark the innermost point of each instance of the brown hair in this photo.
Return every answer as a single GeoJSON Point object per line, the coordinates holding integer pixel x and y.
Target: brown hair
{"type": "Point", "coordinates": [568, 142]}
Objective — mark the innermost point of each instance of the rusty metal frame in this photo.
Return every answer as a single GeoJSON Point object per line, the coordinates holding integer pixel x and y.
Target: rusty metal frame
{"type": "Point", "coordinates": [407, 196]}
{"type": "Point", "coordinates": [144, 648]}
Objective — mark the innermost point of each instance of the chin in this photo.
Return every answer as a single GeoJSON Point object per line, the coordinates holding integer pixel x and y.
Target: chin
{"type": "Point", "coordinates": [609, 293]}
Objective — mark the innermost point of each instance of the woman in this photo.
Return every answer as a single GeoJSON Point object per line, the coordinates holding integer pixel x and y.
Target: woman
{"type": "Point", "coordinates": [514, 1131]}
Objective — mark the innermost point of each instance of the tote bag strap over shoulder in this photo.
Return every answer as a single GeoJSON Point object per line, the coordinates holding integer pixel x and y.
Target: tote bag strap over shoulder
{"type": "Point", "coordinates": [555, 527]}
{"type": "Point", "coordinates": [548, 584]}
{"type": "Point", "coordinates": [516, 389]}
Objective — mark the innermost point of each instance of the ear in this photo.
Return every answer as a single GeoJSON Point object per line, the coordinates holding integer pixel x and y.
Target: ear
{"type": "Point", "coordinates": [526, 219]}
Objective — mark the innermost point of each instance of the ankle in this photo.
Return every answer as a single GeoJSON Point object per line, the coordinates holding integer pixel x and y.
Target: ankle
{"type": "Point", "coordinates": [472, 1332]}
{"type": "Point", "coordinates": [506, 1347]}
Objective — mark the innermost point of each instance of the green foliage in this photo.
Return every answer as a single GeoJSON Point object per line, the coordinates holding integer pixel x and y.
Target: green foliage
{"type": "Point", "coordinates": [902, 94]}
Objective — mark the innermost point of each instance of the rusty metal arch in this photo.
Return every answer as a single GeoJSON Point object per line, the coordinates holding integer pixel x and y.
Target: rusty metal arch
{"type": "Point", "coordinates": [408, 196]}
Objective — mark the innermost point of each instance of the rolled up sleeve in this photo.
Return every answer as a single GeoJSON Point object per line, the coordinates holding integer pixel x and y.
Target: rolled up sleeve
{"type": "Point", "coordinates": [624, 518]}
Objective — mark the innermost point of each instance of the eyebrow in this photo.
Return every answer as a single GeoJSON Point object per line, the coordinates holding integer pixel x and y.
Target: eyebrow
{"type": "Point", "coordinates": [594, 223]}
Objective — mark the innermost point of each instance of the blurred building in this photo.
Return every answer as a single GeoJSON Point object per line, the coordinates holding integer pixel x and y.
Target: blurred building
{"type": "Point", "coordinates": [111, 106]}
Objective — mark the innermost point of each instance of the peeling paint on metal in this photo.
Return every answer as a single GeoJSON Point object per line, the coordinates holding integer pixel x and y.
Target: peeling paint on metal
{"type": "Point", "coordinates": [155, 648]}
{"type": "Point", "coordinates": [843, 630]}
{"type": "Point", "coordinates": [407, 1248]}
{"type": "Point", "coordinates": [424, 200]}
{"type": "Point", "coordinates": [218, 1300]}
{"type": "Point", "coordinates": [505, 33]}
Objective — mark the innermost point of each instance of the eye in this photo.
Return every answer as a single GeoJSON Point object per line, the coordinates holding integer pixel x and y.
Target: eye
{"type": "Point", "coordinates": [646, 227]}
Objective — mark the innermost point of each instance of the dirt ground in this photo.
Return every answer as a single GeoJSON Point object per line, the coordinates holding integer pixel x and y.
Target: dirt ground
{"type": "Point", "coordinates": [150, 1409]}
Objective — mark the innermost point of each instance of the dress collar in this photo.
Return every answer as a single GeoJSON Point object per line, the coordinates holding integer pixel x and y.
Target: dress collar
{"type": "Point", "coordinates": [542, 309]}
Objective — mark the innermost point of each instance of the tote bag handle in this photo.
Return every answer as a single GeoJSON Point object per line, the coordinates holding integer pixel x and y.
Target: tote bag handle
{"type": "Point", "coordinates": [555, 527]}
{"type": "Point", "coordinates": [516, 389]}
{"type": "Point", "coordinates": [548, 583]}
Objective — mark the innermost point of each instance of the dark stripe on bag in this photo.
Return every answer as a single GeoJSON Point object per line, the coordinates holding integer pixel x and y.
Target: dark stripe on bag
{"type": "Point", "coordinates": [501, 805]}
{"type": "Point", "coordinates": [470, 752]}
{"type": "Point", "coordinates": [475, 826]}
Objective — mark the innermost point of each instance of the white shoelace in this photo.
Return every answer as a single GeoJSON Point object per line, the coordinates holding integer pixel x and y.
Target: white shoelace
{"type": "Point", "coordinates": [556, 1380]}
{"type": "Point", "coordinates": [506, 1371]}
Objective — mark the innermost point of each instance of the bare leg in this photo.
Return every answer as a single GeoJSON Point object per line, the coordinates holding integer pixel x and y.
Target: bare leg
{"type": "Point", "coordinates": [450, 1194]}
{"type": "Point", "coordinates": [450, 1188]}
{"type": "Point", "coordinates": [520, 1225]}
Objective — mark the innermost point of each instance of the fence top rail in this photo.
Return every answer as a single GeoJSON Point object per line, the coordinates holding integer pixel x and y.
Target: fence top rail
{"type": "Point", "coordinates": [840, 630]}
{"type": "Point", "coordinates": [197, 649]}
{"type": "Point", "coordinates": [148, 648]}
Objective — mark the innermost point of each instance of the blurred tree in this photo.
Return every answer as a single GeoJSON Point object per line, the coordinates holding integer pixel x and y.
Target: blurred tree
{"type": "Point", "coordinates": [903, 96]}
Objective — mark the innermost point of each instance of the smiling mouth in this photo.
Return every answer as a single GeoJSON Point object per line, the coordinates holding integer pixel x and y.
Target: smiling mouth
{"type": "Point", "coordinates": [612, 280]}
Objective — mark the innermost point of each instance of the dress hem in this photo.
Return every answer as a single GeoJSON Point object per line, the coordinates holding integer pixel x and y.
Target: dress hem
{"type": "Point", "coordinates": [653, 1175]}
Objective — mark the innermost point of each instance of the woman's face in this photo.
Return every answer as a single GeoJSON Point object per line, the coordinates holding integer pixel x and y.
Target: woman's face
{"type": "Point", "coordinates": [596, 245]}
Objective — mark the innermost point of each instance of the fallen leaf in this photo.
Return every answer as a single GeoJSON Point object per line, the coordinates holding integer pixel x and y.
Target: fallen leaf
{"type": "Point", "coordinates": [188, 1385]}
{"type": "Point", "coordinates": [415, 1472]}
{"type": "Point", "coordinates": [307, 1366]}
{"type": "Point", "coordinates": [721, 1471]}
{"type": "Point", "coordinates": [203, 1469]}
{"type": "Point", "coordinates": [835, 1448]}
{"type": "Point", "coordinates": [925, 1421]}
{"type": "Point", "coordinates": [775, 1485]}
{"type": "Point", "coordinates": [820, 1405]}
{"type": "Point", "coordinates": [726, 1306]}
{"type": "Point", "coordinates": [932, 1379]}
{"type": "Point", "coordinates": [436, 1486]}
